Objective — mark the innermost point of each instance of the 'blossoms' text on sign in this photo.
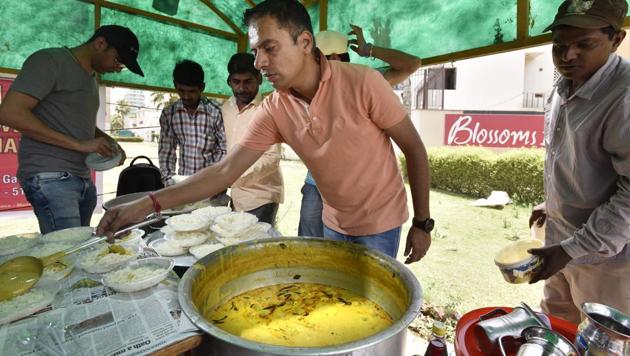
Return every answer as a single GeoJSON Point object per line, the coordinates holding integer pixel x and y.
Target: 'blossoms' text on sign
{"type": "Point", "coordinates": [494, 130]}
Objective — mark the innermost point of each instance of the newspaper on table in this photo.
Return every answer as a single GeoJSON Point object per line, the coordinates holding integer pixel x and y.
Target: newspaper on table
{"type": "Point", "coordinates": [91, 319]}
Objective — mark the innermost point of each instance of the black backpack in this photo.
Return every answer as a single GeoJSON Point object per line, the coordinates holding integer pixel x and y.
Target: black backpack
{"type": "Point", "coordinates": [142, 177]}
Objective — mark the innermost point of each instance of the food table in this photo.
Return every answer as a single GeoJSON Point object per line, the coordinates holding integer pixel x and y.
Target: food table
{"type": "Point", "coordinates": [82, 313]}
{"type": "Point", "coordinates": [88, 318]}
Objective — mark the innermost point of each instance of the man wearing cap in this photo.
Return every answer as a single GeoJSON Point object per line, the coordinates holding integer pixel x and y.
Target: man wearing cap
{"type": "Point", "coordinates": [340, 119]}
{"type": "Point", "coordinates": [587, 167]}
{"type": "Point", "coordinates": [53, 102]}
{"type": "Point", "coordinates": [259, 190]}
{"type": "Point", "coordinates": [334, 45]}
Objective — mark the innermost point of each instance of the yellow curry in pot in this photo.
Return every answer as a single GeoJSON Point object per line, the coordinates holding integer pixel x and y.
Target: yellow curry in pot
{"type": "Point", "coordinates": [300, 315]}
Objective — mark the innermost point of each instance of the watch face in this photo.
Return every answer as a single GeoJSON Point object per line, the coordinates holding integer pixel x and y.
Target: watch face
{"type": "Point", "coordinates": [429, 225]}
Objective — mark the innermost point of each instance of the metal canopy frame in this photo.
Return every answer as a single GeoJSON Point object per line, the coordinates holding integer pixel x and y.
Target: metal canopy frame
{"type": "Point", "coordinates": [523, 39]}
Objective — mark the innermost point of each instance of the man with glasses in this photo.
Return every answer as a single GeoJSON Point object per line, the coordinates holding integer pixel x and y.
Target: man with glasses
{"type": "Point", "coordinates": [53, 102]}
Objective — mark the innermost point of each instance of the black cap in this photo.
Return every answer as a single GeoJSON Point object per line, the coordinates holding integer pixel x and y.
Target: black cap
{"type": "Point", "coordinates": [125, 42]}
{"type": "Point", "coordinates": [592, 14]}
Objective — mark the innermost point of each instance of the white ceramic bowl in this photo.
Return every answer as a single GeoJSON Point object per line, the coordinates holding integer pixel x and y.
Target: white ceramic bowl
{"type": "Point", "coordinates": [515, 263]}
{"type": "Point", "coordinates": [160, 267]}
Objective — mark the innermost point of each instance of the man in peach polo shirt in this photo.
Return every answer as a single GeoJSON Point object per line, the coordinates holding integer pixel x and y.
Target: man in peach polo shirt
{"type": "Point", "coordinates": [339, 118]}
{"type": "Point", "coordinates": [259, 190]}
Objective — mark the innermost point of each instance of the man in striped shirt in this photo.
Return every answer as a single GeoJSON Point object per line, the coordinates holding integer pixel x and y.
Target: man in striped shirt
{"type": "Point", "coordinates": [193, 123]}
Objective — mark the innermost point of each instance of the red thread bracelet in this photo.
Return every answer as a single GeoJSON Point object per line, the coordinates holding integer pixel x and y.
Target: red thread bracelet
{"type": "Point", "coordinates": [157, 208]}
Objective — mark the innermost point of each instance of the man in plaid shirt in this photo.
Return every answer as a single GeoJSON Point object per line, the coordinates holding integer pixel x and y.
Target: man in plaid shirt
{"type": "Point", "coordinates": [194, 123]}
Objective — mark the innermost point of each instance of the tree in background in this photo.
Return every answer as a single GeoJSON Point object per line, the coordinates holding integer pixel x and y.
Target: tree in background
{"type": "Point", "coordinates": [118, 120]}
{"type": "Point", "coordinates": [162, 100]}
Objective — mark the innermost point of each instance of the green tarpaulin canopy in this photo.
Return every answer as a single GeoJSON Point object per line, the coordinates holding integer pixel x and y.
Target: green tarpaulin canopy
{"type": "Point", "coordinates": [210, 31]}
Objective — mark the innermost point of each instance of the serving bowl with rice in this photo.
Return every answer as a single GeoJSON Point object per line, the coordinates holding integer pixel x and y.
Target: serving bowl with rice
{"type": "Point", "coordinates": [138, 275]}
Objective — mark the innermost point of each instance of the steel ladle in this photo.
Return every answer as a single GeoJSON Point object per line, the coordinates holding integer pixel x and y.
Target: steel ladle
{"type": "Point", "coordinates": [20, 274]}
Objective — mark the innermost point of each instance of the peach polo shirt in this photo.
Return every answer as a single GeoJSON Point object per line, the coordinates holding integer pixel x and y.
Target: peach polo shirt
{"type": "Point", "coordinates": [262, 183]}
{"type": "Point", "coordinates": [341, 138]}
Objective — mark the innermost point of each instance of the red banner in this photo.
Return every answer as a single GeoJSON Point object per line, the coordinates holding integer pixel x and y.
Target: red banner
{"type": "Point", "coordinates": [494, 130]}
{"type": "Point", "coordinates": [11, 194]}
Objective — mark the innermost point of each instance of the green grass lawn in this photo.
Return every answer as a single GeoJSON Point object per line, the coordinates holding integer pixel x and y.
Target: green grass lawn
{"type": "Point", "coordinates": [459, 269]}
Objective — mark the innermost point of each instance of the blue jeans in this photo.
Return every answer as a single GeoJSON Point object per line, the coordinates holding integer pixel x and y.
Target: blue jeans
{"type": "Point", "coordinates": [311, 212]}
{"type": "Point", "coordinates": [60, 200]}
{"type": "Point", "coordinates": [386, 242]}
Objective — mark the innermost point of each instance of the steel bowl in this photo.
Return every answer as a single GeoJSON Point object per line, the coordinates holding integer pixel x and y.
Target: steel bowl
{"type": "Point", "coordinates": [236, 269]}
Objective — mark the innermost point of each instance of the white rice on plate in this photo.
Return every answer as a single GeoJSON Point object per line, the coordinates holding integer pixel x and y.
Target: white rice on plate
{"type": "Point", "coordinates": [105, 258]}
{"type": "Point", "coordinates": [24, 305]}
{"type": "Point", "coordinates": [140, 274]}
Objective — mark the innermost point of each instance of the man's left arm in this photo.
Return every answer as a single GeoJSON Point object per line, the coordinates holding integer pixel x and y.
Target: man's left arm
{"type": "Point", "coordinates": [607, 229]}
{"type": "Point", "coordinates": [101, 133]}
{"type": "Point", "coordinates": [406, 137]}
{"type": "Point", "coordinates": [401, 64]}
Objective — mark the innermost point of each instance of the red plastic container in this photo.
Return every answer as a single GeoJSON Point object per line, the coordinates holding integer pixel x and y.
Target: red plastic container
{"type": "Point", "coordinates": [470, 340]}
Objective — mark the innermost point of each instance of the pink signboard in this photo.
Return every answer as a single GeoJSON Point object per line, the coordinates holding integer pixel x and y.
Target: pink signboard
{"type": "Point", "coordinates": [11, 194]}
{"type": "Point", "coordinates": [494, 130]}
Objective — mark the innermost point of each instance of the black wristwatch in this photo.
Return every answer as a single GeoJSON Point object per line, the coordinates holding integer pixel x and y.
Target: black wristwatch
{"type": "Point", "coordinates": [427, 224]}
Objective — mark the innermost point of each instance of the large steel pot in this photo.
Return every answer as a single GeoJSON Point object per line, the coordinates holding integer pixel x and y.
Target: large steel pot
{"type": "Point", "coordinates": [240, 268]}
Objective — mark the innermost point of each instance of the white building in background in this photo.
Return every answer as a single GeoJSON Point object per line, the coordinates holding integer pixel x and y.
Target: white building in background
{"type": "Point", "coordinates": [507, 92]}
{"type": "Point", "coordinates": [143, 118]}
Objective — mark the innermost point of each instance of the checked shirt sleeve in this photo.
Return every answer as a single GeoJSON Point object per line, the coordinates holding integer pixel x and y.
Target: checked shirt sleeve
{"type": "Point", "coordinates": [167, 146]}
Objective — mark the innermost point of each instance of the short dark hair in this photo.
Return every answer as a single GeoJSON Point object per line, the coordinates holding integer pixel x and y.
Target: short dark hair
{"type": "Point", "coordinates": [242, 63]}
{"type": "Point", "coordinates": [290, 14]}
{"type": "Point", "coordinates": [187, 72]}
{"type": "Point", "coordinates": [344, 57]}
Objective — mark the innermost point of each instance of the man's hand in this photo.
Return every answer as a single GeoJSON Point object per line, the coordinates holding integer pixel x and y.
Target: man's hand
{"type": "Point", "coordinates": [538, 216]}
{"type": "Point", "coordinates": [554, 258]}
{"type": "Point", "coordinates": [99, 145]}
{"type": "Point", "coordinates": [123, 215]}
{"type": "Point", "coordinates": [358, 44]}
{"type": "Point", "coordinates": [418, 243]}
{"type": "Point", "coordinates": [123, 154]}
